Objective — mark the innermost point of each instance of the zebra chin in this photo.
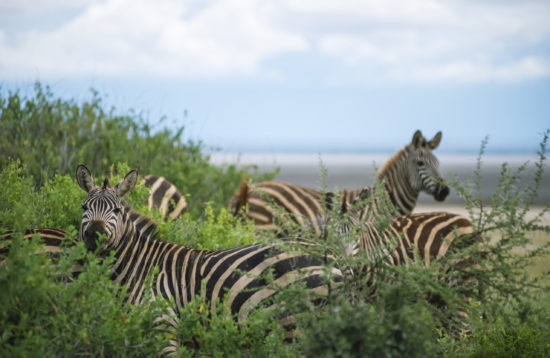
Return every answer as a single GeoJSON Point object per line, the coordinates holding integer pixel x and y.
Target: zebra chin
{"type": "Point", "coordinates": [441, 192]}
{"type": "Point", "coordinates": [90, 244]}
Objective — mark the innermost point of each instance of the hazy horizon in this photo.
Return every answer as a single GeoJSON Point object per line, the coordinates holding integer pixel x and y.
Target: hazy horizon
{"type": "Point", "coordinates": [358, 170]}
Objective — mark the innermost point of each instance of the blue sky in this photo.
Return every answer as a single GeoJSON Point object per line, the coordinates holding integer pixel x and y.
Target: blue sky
{"type": "Point", "coordinates": [297, 75]}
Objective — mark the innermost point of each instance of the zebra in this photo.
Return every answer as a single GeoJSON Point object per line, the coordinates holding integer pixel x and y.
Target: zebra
{"type": "Point", "coordinates": [54, 240]}
{"type": "Point", "coordinates": [408, 172]}
{"type": "Point", "coordinates": [426, 238]}
{"type": "Point", "coordinates": [54, 243]}
{"type": "Point", "coordinates": [164, 196]}
{"type": "Point", "coordinates": [234, 275]}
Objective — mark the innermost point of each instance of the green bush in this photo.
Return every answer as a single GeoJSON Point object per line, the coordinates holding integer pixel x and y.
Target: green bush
{"type": "Point", "coordinates": [52, 136]}
{"type": "Point", "coordinates": [18, 199]}
{"type": "Point", "coordinates": [39, 317]}
{"type": "Point", "coordinates": [217, 334]}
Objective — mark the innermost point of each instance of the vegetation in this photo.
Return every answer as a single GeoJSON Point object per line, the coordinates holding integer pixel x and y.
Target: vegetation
{"type": "Point", "coordinates": [51, 136]}
{"type": "Point", "coordinates": [43, 140]}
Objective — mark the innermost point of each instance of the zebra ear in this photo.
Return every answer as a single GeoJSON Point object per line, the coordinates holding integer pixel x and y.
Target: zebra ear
{"type": "Point", "coordinates": [417, 139]}
{"type": "Point", "coordinates": [127, 184]}
{"type": "Point", "coordinates": [84, 178]}
{"type": "Point", "coordinates": [434, 142]}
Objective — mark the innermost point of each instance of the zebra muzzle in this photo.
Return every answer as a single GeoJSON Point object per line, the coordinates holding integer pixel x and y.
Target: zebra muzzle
{"type": "Point", "coordinates": [91, 234]}
{"type": "Point", "coordinates": [441, 192]}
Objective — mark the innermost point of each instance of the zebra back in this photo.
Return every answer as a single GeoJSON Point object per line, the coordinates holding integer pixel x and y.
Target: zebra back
{"type": "Point", "coordinates": [165, 197]}
{"type": "Point", "coordinates": [427, 237]}
{"type": "Point", "coordinates": [53, 242]}
{"type": "Point", "coordinates": [304, 204]}
{"type": "Point", "coordinates": [421, 236]}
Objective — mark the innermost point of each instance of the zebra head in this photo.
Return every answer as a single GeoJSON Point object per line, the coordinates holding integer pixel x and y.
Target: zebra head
{"type": "Point", "coordinates": [424, 167]}
{"type": "Point", "coordinates": [103, 208]}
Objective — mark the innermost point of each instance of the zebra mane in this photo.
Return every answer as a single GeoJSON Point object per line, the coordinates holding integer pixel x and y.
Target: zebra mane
{"type": "Point", "coordinates": [395, 158]}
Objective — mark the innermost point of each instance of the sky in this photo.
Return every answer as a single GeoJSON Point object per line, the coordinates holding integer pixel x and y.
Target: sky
{"type": "Point", "coordinates": [296, 75]}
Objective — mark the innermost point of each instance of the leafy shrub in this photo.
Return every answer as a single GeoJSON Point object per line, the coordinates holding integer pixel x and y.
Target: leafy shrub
{"type": "Point", "coordinates": [52, 136]}
{"type": "Point", "coordinates": [217, 334]}
{"type": "Point", "coordinates": [18, 198]}
{"type": "Point", "coordinates": [40, 317]}
{"type": "Point", "coordinates": [216, 231]}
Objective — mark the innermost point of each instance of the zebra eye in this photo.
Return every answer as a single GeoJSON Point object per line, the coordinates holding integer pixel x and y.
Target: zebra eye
{"type": "Point", "coordinates": [117, 210]}
{"type": "Point", "coordinates": [420, 163]}
{"type": "Point", "coordinates": [84, 207]}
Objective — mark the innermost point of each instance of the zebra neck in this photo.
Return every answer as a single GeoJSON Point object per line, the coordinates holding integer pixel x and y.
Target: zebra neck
{"type": "Point", "coordinates": [143, 224]}
{"type": "Point", "coordinates": [395, 176]}
{"type": "Point", "coordinates": [137, 252]}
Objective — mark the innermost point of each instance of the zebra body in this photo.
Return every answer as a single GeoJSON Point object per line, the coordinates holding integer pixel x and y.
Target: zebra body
{"type": "Point", "coordinates": [185, 273]}
{"type": "Point", "coordinates": [54, 243]}
{"type": "Point", "coordinates": [54, 240]}
{"type": "Point", "coordinates": [165, 197]}
{"type": "Point", "coordinates": [424, 237]}
{"type": "Point", "coordinates": [408, 172]}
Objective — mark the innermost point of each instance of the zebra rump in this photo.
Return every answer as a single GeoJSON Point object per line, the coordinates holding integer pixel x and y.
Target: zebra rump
{"type": "Point", "coordinates": [165, 197]}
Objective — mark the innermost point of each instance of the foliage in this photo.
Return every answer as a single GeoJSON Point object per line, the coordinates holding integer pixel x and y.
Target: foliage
{"type": "Point", "coordinates": [216, 231]}
{"type": "Point", "coordinates": [385, 328]}
{"type": "Point", "coordinates": [52, 136]}
{"type": "Point", "coordinates": [40, 317]}
{"type": "Point", "coordinates": [216, 333]}
{"type": "Point", "coordinates": [18, 199]}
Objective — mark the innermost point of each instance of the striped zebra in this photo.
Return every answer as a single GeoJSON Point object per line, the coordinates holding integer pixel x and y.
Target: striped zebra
{"type": "Point", "coordinates": [53, 242]}
{"type": "Point", "coordinates": [165, 197]}
{"type": "Point", "coordinates": [408, 172]}
{"type": "Point", "coordinates": [425, 237]}
{"type": "Point", "coordinates": [234, 275]}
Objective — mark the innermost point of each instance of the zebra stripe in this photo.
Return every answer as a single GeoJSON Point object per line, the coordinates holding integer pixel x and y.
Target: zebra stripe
{"type": "Point", "coordinates": [52, 238]}
{"type": "Point", "coordinates": [432, 234]}
{"type": "Point", "coordinates": [408, 172]}
{"type": "Point", "coordinates": [425, 237]}
{"type": "Point", "coordinates": [185, 273]}
{"type": "Point", "coordinates": [55, 242]}
{"type": "Point", "coordinates": [165, 197]}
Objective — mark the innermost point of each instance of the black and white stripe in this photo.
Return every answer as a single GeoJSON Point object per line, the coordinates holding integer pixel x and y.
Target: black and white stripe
{"type": "Point", "coordinates": [185, 273]}
{"type": "Point", "coordinates": [165, 197]}
{"type": "Point", "coordinates": [424, 237]}
{"type": "Point", "coordinates": [53, 239]}
{"type": "Point", "coordinates": [408, 172]}
{"type": "Point", "coordinates": [53, 242]}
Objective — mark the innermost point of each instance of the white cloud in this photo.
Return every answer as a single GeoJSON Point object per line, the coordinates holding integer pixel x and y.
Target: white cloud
{"type": "Point", "coordinates": [465, 72]}
{"type": "Point", "coordinates": [140, 37]}
{"type": "Point", "coordinates": [475, 42]}
{"type": "Point", "coordinates": [368, 40]}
